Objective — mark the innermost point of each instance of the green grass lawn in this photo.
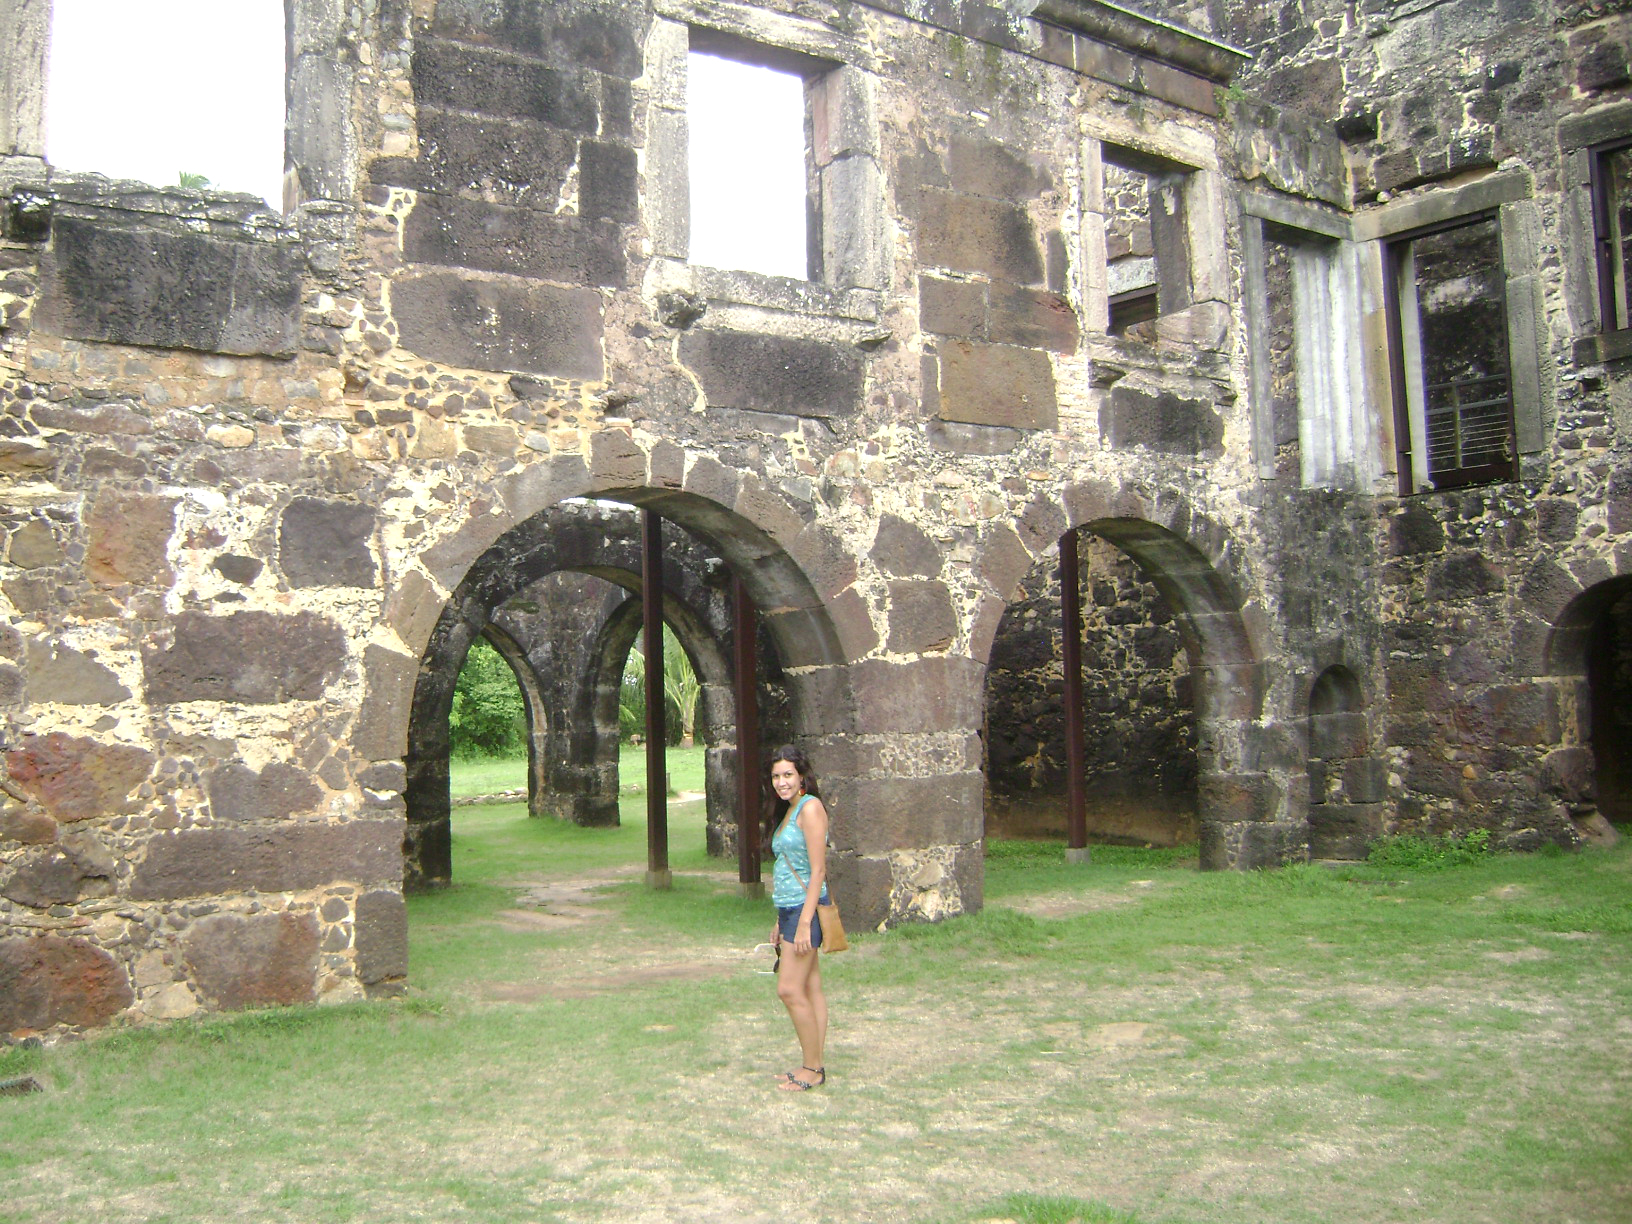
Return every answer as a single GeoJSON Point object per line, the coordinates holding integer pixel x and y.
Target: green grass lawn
{"type": "Point", "coordinates": [1127, 1042]}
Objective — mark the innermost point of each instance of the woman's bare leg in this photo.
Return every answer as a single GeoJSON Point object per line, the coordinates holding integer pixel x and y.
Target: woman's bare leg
{"type": "Point", "coordinates": [793, 986]}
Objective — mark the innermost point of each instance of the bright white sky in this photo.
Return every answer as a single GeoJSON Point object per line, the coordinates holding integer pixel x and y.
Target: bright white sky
{"type": "Point", "coordinates": [148, 89]}
{"type": "Point", "coordinates": [747, 129]}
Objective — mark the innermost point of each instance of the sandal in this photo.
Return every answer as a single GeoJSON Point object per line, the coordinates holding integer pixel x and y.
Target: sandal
{"type": "Point", "coordinates": [795, 1084]}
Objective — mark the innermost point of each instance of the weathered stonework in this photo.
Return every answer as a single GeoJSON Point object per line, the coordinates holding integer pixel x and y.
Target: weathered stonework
{"type": "Point", "coordinates": [266, 476]}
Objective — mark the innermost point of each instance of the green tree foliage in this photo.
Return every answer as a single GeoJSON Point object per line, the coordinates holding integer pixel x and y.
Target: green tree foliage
{"type": "Point", "coordinates": [487, 718]}
{"type": "Point", "coordinates": [681, 690]}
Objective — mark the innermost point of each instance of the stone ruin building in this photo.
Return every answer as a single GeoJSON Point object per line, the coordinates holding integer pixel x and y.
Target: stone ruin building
{"type": "Point", "coordinates": [1295, 335]}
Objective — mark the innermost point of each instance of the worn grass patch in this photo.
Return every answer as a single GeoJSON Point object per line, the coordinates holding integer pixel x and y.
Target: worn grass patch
{"type": "Point", "coordinates": [1129, 1041]}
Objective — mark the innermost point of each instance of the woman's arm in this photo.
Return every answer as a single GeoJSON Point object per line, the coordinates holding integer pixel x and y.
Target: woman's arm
{"type": "Point", "coordinates": [813, 824]}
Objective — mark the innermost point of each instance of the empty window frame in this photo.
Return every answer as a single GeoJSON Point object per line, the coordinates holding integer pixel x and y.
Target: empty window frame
{"type": "Point", "coordinates": [188, 92]}
{"type": "Point", "coordinates": [1611, 171]}
{"type": "Point", "coordinates": [752, 190]}
{"type": "Point", "coordinates": [1450, 362]}
{"type": "Point", "coordinates": [1147, 250]}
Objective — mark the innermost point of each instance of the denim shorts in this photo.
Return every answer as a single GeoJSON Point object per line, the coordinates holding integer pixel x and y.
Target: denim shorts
{"type": "Point", "coordinates": [787, 921]}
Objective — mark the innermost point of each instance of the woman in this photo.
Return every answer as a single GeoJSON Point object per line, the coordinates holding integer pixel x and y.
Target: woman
{"type": "Point", "coordinates": [798, 825]}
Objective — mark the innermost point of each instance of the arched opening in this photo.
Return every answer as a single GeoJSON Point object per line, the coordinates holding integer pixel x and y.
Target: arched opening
{"type": "Point", "coordinates": [1346, 781]}
{"type": "Point", "coordinates": [1138, 710]}
{"type": "Point", "coordinates": [560, 593]}
{"type": "Point", "coordinates": [1589, 658]}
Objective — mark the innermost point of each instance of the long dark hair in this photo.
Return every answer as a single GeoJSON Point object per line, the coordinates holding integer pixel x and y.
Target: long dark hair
{"type": "Point", "coordinates": [777, 808]}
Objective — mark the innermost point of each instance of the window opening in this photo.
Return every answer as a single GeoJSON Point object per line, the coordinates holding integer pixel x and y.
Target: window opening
{"type": "Point", "coordinates": [1147, 262]}
{"type": "Point", "coordinates": [1453, 390]}
{"type": "Point", "coordinates": [168, 89]}
{"type": "Point", "coordinates": [750, 182]}
{"type": "Point", "coordinates": [1612, 221]}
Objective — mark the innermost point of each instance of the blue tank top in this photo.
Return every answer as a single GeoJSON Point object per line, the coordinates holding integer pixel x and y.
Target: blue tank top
{"type": "Point", "coordinates": [792, 854]}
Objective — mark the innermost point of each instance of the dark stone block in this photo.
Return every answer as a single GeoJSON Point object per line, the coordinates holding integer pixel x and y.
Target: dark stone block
{"type": "Point", "coordinates": [253, 960]}
{"type": "Point", "coordinates": [1032, 318]}
{"type": "Point", "coordinates": [861, 886]}
{"type": "Point", "coordinates": [128, 539]}
{"type": "Point", "coordinates": [608, 182]}
{"type": "Point", "coordinates": [885, 814]}
{"type": "Point", "coordinates": [237, 792]}
{"type": "Point", "coordinates": [50, 980]}
{"type": "Point", "coordinates": [1463, 576]}
{"type": "Point", "coordinates": [952, 307]}
{"type": "Point", "coordinates": [132, 284]}
{"type": "Point", "coordinates": [992, 384]}
{"type": "Point", "coordinates": [606, 35]}
{"type": "Point", "coordinates": [984, 168]}
{"type": "Point", "coordinates": [1415, 530]}
{"type": "Point", "coordinates": [322, 543]}
{"type": "Point", "coordinates": [1570, 774]}
{"type": "Point", "coordinates": [242, 570]}
{"type": "Point", "coordinates": [1248, 845]}
{"type": "Point", "coordinates": [524, 241]}
{"type": "Point", "coordinates": [382, 937]}
{"type": "Point", "coordinates": [807, 378]}
{"type": "Point", "coordinates": [283, 858]}
{"type": "Point", "coordinates": [921, 619]}
{"type": "Point", "coordinates": [934, 694]}
{"type": "Point", "coordinates": [381, 732]}
{"type": "Point", "coordinates": [614, 457]}
{"type": "Point", "coordinates": [1365, 780]}
{"type": "Point", "coordinates": [69, 677]}
{"type": "Point", "coordinates": [1522, 713]}
{"type": "Point", "coordinates": [1344, 830]}
{"type": "Point", "coordinates": [959, 438]}
{"type": "Point", "coordinates": [511, 161]}
{"type": "Point", "coordinates": [970, 234]}
{"type": "Point", "coordinates": [465, 77]}
{"type": "Point", "coordinates": [77, 779]}
{"type": "Point", "coordinates": [501, 325]}
{"type": "Point", "coordinates": [1003, 561]}
{"type": "Point", "coordinates": [902, 550]}
{"type": "Point", "coordinates": [1236, 797]}
{"type": "Point", "coordinates": [1162, 422]}
{"type": "Point", "coordinates": [42, 877]}
{"type": "Point", "coordinates": [259, 658]}
{"type": "Point", "coordinates": [1548, 588]}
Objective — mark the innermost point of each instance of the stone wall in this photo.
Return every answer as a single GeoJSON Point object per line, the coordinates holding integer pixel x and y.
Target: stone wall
{"type": "Point", "coordinates": [263, 473]}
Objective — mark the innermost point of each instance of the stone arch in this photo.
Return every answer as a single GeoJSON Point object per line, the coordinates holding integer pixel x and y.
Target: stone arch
{"type": "Point", "coordinates": [1587, 665]}
{"type": "Point", "coordinates": [1249, 794]}
{"type": "Point", "coordinates": [1347, 780]}
{"type": "Point", "coordinates": [799, 580]}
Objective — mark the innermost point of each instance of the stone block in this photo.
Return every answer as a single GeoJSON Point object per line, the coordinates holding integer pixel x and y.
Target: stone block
{"type": "Point", "coordinates": [494, 237]}
{"type": "Point", "coordinates": [75, 778]}
{"type": "Point", "coordinates": [258, 658]}
{"type": "Point", "coordinates": [1344, 830]}
{"type": "Point", "coordinates": [1365, 780]}
{"type": "Point", "coordinates": [49, 875]}
{"type": "Point", "coordinates": [921, 619]}
{"type": "Point", "coordinates": [128, 539]}
{"type": "Point", "coordinates": [278, 791]}
{"type": "Point", "coordinates": [381, 938]}
{"type": "Point", "coordinates": [608, 182]}
{"type": "Point", "coordinates": [615, 461]}
{"type": "Point", "coordinates": [71, 677]}
{"type": "Point", "coordinates": [253, 960]}
{"type": "Point", "coordinates": [413, 609]}
{"type": "Point", "coordinates": [26, 457]}
{"type": "Point", "coordinates": [501, 324]}
{"type": "Point", "coordinates": [952, 307]}
{"type": "Point", "coordinates": [381, 732]}
{"type": "Point", "coordinates": [1004, 560]}
{"type": "Point", "coordinates": [991, 384]}
{"type": "Point", "coordinates": [1031, 318]}
{"type": "Point", "coordinates": [121, 283]}
{"type": "Point", "coordinates": [959, 438]}
{"type": "Point", "coordinates": [903, 550]}
{"type": "Point", "coordinates": [507, 161]}
{"type": "Point", "coordinates": [1569, 773]}
{"type": "Point", "coordinates": [49, 980]}
{"type": "Point", "coordinates": [283, 858]}
{"type": "Point", "coordinates": [1248, 845]}
{"type": "Point", "coordinates": [986, 168]}
{"type": "Point", "coordinates": [1464, 575]}
{"type": "Point", "coordinates": [861, 886]}
{"type": "Point", "coordinates": [970, 234]}
{"type": "Point", "coordinates": [460, 76]}
{"type": "Point", "coordinates": [1547, 589]}
{"type": "Point", "coordinates": [932, 694]}
{"type": "Point", "coordinates": [1161, 421]}
{"type": "Point", "coordinates": [1229, 798]}
{"type": "Point", "coordinates": [34, 546]}
{"type": "Point", "coordinates": [1521, 714]}
{"type": "Point", "coordinates": [27, 824]}
{"type": "Point", "coordinates": [886, 814]}
{"type": "Point", "coordinates": [763, 373]}
{"type": "Point", "coordinates": [325, 543]}
{"type": "Point", "coordinates": [1415, 530]}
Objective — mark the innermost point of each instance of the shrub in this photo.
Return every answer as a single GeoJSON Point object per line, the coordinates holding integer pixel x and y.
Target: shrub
{"type": "Point", "coordinates": [487, 718]}
{"type": "Point", "coordinates": [1409, 852]}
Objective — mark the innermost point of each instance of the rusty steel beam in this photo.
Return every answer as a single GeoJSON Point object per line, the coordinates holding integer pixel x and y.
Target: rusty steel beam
{"type": "Point", "coordinates": [657, 731]}
{"type": "Point", "coordinates": [745, 668]}
{"type": "Point", "coordinates": [1076, 751]}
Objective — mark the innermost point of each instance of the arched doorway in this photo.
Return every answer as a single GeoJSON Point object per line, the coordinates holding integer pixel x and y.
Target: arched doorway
{"type": "Point", "coordinates": [1589, 658]}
